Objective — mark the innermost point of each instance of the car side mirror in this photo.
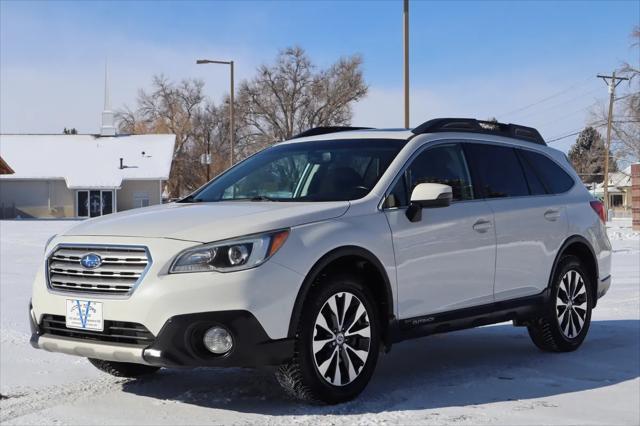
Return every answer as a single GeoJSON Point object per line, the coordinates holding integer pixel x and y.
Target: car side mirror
{"type": "Point", "coordinates": [428, 195]}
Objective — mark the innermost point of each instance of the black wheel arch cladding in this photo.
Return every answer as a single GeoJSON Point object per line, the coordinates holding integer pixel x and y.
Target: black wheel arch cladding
{"type": "Point", "coordinates": [336, 261]}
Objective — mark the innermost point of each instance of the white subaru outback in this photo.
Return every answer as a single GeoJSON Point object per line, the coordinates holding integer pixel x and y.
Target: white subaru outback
{"type": "Point", "coordinates": [319, 253]}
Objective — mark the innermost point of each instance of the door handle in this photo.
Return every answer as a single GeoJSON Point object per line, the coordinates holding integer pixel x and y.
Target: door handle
{"type": "Point", "coordinates": [482, 225]}
{"type": "Point", "coordinates": [552, 215]}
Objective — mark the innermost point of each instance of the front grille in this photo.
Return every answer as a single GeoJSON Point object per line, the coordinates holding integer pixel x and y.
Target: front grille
{"type": "Point", "coordinates": [120, 270]}
{"type": "Point", "coordinates": [114, 331]}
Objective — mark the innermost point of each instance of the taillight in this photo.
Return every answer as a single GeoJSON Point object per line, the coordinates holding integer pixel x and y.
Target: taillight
{"type": "Point", "coordinates": [598, 207]}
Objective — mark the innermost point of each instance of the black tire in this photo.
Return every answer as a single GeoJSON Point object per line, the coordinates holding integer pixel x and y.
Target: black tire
{"type": "Point", "coordinates": [123, 369]}
{"type": "Point", "coordinates": [301, 378]}
{"type": "Point", "coordinates": [553, 331]}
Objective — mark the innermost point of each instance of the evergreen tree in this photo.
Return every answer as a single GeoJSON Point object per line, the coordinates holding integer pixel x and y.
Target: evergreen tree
{"type": "Point", "coordinates": [587, 156]}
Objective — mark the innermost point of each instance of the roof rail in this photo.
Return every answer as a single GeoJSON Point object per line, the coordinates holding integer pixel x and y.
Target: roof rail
{"type": "Point", "coordinates": [471, 125]}
{"type": "Point", "coordinates": [323, 130]}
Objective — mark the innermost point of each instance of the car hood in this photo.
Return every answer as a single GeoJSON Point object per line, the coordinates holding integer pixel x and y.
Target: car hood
{"type": "Point", "coordinates": [205, 222]}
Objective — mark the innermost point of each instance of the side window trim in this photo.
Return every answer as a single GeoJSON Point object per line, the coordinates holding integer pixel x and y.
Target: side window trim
{"type": "Point", "coordinates": [402, 174]}
{"type": "Point", "coordinates": [476, 178]}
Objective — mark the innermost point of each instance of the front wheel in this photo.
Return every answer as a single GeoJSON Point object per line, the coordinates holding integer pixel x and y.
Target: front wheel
{"type": "Point", "coordinates": [565, 322]}
{"type": "Point", "coordinates": [337, 343]}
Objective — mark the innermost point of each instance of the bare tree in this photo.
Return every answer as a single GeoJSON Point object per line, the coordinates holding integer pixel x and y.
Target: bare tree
{"type": "Point", "coordinates": [284, 99]}
{"type": "Point", "coordinates": [177, 109]}
{"type": "Point", "coordinates": [291, 96]}
{"type": "Point", "coordinates": [625, 125]}
{"type": "Point", "coordinates": [627, 128]}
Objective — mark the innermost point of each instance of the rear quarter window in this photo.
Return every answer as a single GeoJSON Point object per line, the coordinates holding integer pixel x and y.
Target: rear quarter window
{"type": "Point", "coordinates": [552, 175]}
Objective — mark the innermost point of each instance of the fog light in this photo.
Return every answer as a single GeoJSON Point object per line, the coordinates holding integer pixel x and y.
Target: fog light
{"type": "Point", "coordinates": [218, 340]}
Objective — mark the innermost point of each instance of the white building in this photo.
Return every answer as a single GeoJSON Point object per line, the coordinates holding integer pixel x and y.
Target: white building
{"type": "Point", "coordinates": [619, 189]}
{"type": "Point", "coordinates": [83, 175]}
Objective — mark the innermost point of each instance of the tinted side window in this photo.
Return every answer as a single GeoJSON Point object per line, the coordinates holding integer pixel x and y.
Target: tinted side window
{"type": "Point", "coordinates": [498, 170]}
{"type": "Point", "coordinates": [445, 165]}
{"type": "Point", "coordinates": [556, 180]}
{"type": "Point", "coordinates": [536, 187]}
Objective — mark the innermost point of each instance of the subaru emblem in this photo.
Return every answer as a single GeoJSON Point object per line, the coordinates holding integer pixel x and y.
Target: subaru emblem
{"type": "Point", "coordinates": [91, 261]}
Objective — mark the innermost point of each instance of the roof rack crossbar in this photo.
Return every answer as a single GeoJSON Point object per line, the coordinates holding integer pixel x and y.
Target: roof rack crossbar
{"type": "Point", "coordinates": [472, 125]}
{"type": "Point", "coordinates": [323, 130]}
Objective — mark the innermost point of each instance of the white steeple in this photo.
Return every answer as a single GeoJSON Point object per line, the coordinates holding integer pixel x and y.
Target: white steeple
{"type": "Point", "coordinates": [108, 128]}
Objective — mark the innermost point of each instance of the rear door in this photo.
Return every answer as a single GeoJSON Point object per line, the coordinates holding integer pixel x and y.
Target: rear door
{"type": "Point", "coordinates": [446, 260]}
{"type": "Point", "coordinates": [531, 223]}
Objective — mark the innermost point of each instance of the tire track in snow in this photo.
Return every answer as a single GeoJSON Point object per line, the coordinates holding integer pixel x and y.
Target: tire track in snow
{"type": "Point", "coordinates": [27, 401]}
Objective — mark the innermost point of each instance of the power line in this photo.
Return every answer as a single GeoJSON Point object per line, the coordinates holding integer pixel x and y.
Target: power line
{"type": "Point", "coordinates": [564, 137]}
{"type": "Point", "coordinates": [566, 101]}
{"type": "Point", "coordinates": [597, 124]}
{"type": "Point", "coordinates": [553, 96]}
{"type": "Point", "coordinates": [577, 132]}
{"type": "Point", "coordinates": [562, 117]}
{"type": "Point", "coordinates": [624, 97]}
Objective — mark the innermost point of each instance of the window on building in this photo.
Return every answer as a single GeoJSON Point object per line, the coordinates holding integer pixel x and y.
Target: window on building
{"type": "Point", "coordinates": [617, 200]}
{"type": "Point", "coordinates": [93, 203]}
{"type": "Point", "coordinates": [141, 199]}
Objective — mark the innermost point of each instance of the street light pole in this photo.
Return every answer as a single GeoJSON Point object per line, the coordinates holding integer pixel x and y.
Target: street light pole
{"type": "Point", "coordinates": [231, 103]}
{"type": "Point", "coordinates": [232, 121]}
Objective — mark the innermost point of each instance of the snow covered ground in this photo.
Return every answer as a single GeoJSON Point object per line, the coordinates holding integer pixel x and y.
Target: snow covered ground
{"type": "Point", "coordinates": [490, 375]}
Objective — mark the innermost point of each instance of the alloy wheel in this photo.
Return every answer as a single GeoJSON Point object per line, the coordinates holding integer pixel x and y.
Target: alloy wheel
{"type": "Point", "coordinates": [341, 339]}
{"type": "Point", "coordinates": [571, 304]}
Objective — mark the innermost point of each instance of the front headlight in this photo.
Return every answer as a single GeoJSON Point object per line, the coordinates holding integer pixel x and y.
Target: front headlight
{"type": "Point", "coordinates": [230, 255]}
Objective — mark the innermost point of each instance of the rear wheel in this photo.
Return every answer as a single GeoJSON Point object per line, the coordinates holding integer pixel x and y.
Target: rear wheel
{"type": "Point", "coordinates": [123, 369]}
{"type": "Point", "coordinates": [337, 343]}
{"type": "Point", "coordinates": [565, 322]}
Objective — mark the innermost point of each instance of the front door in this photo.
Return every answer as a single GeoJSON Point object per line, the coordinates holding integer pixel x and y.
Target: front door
{"type": "Point", "coordinates": [446, 260]}
{"type": "Point", "coordinates": [93, 203]}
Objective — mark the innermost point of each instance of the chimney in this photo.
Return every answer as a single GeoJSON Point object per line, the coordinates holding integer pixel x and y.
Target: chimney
{"type": "Point", "coordinates": [107, 128]}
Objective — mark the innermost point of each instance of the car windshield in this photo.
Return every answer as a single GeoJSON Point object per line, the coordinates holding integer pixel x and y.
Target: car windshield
{"type": "Point", "coordinates": [336, 170]}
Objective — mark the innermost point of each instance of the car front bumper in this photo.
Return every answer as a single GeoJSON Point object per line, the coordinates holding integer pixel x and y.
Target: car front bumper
{"type": "Point", "coordinates": [179, 343]}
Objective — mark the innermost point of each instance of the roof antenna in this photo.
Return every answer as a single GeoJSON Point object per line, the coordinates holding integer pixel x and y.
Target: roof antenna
{"type": "Point", "coordinates": [108, 128]}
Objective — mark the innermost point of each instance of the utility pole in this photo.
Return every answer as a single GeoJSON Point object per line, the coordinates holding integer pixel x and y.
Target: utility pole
{"type": "Point", "coordinates": [405, 15]}
{"type": "Point", "coordinates": [612, 82]}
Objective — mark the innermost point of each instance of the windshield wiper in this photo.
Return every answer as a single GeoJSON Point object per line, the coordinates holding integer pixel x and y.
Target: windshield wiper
{"type": "Point", "coordinates": [191, 199]}
{"type": "Point", "coordinates": [263, 198]}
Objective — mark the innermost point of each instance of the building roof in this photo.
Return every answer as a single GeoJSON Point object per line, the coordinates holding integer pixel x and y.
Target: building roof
{"type": "Point", "coordinates": [621, 178]}
{"type": "Point", "coordinates": [618, 181]}
{"type": "Point", "coordinates": [88, 161]}
{"type": "Point", "coordinates": [5, 169]}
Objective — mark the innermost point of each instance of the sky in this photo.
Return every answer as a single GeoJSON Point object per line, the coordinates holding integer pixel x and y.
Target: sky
{"type": "Point", "coordinates": [527, 62]}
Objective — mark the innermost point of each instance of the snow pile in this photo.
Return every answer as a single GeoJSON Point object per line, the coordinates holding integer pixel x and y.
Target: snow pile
{"type": "Point", "coordinates": [620, 229]}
